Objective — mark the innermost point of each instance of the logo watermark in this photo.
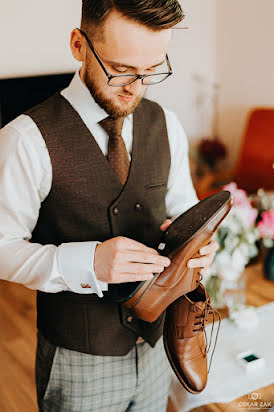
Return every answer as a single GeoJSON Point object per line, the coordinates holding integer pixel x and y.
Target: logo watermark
{"type": "Point", "coordinates": [254, 396]}
{"type": "Point", "coordinates": [254, 402]}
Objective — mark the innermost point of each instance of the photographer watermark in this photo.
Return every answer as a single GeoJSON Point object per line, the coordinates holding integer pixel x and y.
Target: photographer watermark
{"type": "Point", "coordinates": [255, 401]}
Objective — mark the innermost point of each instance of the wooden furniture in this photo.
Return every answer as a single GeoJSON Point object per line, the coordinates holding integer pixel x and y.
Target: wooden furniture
{"type": "Point", "coordinates": [255, 165]}
{"type": "Point", "coordinates": [18, 344]}
{"type": "Point", "coordinates": [254, 168]}
{"type": "Point", "coordinates": [21, 93]}
{"type": "Point", "coordinates": [17, 348]}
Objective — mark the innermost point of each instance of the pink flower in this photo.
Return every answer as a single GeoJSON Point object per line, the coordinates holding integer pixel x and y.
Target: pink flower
{"type": "Point", "coordinates": [266, 225]}
{"type": "Point", "coordinates": [242, 206]}
{"type": "Point", "coordinates": [246, 214]}
{"type": "Point", "coordinates": [239, 195]}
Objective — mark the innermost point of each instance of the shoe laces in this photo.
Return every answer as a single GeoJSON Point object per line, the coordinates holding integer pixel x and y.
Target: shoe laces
{"type": "Point", "coordinates": [200, 279]}
{"type": "Point", "coordinates": [207, 310]}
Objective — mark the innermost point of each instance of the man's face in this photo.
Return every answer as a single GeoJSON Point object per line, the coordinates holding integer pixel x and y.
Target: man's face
{"type": "Point", "coordinates": [125, 47]}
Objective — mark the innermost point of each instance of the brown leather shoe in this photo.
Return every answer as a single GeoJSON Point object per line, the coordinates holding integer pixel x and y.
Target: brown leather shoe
{"type": "Point", "coordinates": [185, 340]}
{"type": "Point", "coordinates": [181, 242]}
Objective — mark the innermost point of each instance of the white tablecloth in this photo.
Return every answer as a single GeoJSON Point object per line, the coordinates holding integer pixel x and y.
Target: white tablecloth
{"type": "Point", "coordinates": [227, 380]}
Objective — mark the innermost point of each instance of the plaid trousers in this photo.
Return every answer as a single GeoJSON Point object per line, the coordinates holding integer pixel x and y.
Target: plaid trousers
{"type": "Point", "coordinates": [70, 381]}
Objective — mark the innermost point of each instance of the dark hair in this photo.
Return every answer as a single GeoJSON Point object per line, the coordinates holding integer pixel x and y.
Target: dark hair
{"type": "Point", "coordinates": [155, 14]}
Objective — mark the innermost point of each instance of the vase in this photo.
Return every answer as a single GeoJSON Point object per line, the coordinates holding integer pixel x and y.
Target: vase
{"type": "Point", "coordinates": [268, 265]}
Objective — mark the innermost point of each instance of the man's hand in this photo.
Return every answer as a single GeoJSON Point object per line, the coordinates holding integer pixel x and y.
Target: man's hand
{"type": "Point", "coordinates": [208, 252]}
{"type": "Point", "coordinates": [165, 224]}
{"type": "Point", "coordinates": [121, 259]}
{"type": "Point", "coordinates": [205, 261]}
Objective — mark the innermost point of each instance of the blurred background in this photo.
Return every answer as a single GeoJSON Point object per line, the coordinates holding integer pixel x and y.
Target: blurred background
{"type": "Point", "coordinates": [222, 90]}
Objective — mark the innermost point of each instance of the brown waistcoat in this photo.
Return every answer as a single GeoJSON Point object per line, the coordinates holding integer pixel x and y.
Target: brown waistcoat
{"type": "Point", "coordinates": [87, 202]}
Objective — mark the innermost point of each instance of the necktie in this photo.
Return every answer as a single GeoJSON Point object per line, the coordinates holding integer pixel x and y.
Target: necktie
{"type": "Point", "coordinates": [117, 152]}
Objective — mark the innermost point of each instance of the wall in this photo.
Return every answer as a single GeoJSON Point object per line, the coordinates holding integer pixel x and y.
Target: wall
{"type": "Point", "coordinates": [35, 36]}
{"type": "Point", "coordinates": [245, 64]}
{"type": "Point", "coordinates": [193, 58]}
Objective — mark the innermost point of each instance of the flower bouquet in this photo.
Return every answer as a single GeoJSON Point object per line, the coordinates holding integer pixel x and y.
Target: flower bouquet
{"type": "Point", "coordinates": [266, 232]}
{"type": "Point", "coordinates": [266, 228]}
{"type": "Point", "coordinates": [237, 236]}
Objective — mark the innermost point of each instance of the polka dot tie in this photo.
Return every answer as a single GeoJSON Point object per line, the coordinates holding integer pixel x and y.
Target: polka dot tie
{"type": "Point", "coordinates": [117, 151]}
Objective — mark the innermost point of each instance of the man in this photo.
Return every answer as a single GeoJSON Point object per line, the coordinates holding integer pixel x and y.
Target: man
{"type": "Point", "coordinates": [90, 184]}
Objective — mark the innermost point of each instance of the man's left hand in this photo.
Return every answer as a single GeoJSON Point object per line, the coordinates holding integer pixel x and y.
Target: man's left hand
{"type": "Point", "coordinates": [207, 252]}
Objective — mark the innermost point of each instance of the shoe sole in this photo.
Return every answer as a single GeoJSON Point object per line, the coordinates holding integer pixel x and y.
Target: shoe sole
{"type": "Point", "coordinates": [136, 297]}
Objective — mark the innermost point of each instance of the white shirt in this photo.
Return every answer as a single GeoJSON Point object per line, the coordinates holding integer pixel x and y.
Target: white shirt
{"type": "Point", "coordinates": [25, 181]}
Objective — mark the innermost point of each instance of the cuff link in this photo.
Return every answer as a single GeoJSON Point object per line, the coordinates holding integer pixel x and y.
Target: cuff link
{"type": "Point", "coordinates": [85, 285]}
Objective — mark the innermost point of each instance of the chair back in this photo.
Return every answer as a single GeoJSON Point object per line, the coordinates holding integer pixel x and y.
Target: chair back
{"type": "Point", "coordinates": [255, 166]}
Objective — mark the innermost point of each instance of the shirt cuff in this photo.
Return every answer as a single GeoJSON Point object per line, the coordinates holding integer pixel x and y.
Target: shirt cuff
{"type": "Point", "coordinates": [75, 263]}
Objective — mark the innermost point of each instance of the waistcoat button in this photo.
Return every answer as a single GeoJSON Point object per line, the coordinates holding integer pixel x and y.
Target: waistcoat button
{"type": "Point", "coordinates": [129, 319]}
{"type": "Point", "coordinates": [116, 211]}
{"type": "Point", "coordinates": [138, 207]}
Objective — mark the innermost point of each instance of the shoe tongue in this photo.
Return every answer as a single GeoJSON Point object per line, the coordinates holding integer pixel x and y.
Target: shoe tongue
{"type": "Point", "coordinates": [199, 306]}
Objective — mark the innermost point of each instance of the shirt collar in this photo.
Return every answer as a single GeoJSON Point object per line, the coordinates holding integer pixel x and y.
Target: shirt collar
{"type": "Point", "coordinates": [82, 101]}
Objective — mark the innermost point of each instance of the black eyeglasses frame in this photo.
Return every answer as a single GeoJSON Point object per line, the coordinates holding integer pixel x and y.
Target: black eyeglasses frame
{"type": "Point", "coordinates": [136, 76]}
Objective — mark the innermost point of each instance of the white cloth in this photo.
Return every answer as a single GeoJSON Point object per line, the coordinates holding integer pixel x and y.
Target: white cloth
{"type": "Point", "coordinates": [25, 181]}
{"type": "Point", "coordinates": [227, 379]}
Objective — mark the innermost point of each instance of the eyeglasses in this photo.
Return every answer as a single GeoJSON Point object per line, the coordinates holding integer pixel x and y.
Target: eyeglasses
{"type": "Point", "coordinates": [125, 79]}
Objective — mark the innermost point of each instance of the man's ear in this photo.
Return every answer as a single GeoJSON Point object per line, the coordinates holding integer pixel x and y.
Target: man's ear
{"type": "Point", "coordinates": [77, 45]}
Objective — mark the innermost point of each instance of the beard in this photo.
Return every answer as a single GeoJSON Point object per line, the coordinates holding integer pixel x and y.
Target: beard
{"type": "Point", "coordinates": [107, 103]}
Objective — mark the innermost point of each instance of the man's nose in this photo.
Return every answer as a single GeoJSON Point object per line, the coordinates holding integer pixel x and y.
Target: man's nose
{"type": "Point", "coordinates": [134, 88]}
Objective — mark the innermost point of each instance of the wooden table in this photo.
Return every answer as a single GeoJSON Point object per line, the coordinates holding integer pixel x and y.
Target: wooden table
{"type": "Point", "coordinates": [259, 291]}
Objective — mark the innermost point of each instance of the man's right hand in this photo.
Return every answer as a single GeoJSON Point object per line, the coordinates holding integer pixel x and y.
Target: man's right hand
{"type": "Point", "coordinates": [121, 260]}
